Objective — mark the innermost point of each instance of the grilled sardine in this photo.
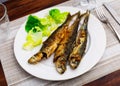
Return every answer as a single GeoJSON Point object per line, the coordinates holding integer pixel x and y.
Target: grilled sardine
{"type": "Point", "coordinates": [64, 48]}
{"type": "Point", "coordinates": [80, 43]}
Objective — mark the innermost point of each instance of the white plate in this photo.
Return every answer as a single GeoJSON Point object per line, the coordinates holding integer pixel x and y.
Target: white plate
{"type": "Point", "coordinates": [45, 69]}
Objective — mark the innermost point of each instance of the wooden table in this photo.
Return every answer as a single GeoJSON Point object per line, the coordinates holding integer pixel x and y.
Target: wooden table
{"type": "Point", "coordinates": [19, 8]}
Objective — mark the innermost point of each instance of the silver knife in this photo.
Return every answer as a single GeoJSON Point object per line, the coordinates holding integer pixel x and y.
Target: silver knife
{"type": "Point", "coordinates": [112, 12]}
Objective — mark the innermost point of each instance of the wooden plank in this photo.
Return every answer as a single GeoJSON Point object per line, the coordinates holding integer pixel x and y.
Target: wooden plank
{"type": "Point", "coordinates": [19, 8]}
{"type": "Point", "coordinates": [2, 77]}
{"type": "Point", "coordinates": [112, 79]}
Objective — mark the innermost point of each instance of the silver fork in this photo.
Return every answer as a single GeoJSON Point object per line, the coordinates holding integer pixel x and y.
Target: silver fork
{"type": "Point", "coordinates": [104, 19]}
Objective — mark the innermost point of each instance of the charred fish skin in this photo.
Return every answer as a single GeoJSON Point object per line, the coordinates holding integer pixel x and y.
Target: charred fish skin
{"type": "Point", "coordinates": [64, 48]}
{"type": "Point", "coordinates": [79, 44]}
{"type": "Point", "coordinates": [50, 45]}
{"type": "Point", "coordinates": [65, 38]}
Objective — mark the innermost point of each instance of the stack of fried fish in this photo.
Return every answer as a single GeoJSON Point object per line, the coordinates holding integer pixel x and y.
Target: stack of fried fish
{"type": "Point", "coordinates": [68, 43]}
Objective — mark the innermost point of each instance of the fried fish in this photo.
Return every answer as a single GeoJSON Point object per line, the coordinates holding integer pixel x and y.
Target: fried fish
{"type": "Point", "coordinates": [80, 43]}
{"type": "Point", "coordinates": [64, 48]}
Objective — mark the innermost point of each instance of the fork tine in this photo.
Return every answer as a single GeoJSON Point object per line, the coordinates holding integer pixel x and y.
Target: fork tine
{"type": "Point", "coordinates": [99, 13]}
{"type": "Point", "coordinates": [102, 13]}
{"type": "Point", "coordinates": [96, 10]}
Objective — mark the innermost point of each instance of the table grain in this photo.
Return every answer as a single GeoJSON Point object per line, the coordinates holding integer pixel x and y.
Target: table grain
{"type": "Point", "coordinates": [2, 77]}
{"type": "Point", "coordinates": [20, 8]}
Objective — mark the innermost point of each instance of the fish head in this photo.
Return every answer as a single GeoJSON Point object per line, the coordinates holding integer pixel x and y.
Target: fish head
{"type": "Point", "coordinates": [35, 58]}
{"type": "Point", "coordinates": [74, 61]}
{"type": "Point", "coordinates": [60, 65]}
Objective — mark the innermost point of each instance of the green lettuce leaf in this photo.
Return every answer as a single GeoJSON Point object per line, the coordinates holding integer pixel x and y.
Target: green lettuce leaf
{"type": "Point", "coordinates": [58, 16]}
{"type": "Point", "coordinates": [37, 28]}
{"type": "Point", "coordinates": [32, 40]}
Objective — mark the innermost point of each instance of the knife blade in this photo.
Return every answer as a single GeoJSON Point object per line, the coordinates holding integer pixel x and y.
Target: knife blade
{"type": "Point", "coordinates": [112, 12]}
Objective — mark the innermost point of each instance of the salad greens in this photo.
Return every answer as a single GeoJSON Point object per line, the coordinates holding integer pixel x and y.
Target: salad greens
{"type": "Point", "coordinates": [57, 15]}
{"type": "Point", "coordinates": [32, 22]}
{"type": "Point", "coordinates": [37, 28]}
{"type": "Point", "coordinates": [32, 40]}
